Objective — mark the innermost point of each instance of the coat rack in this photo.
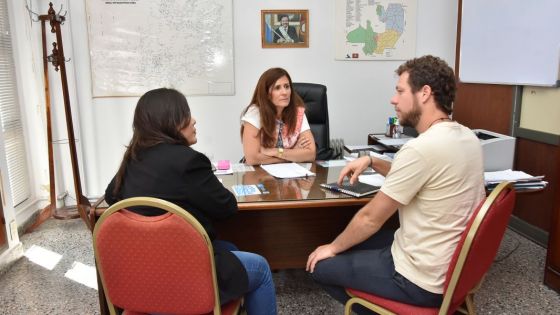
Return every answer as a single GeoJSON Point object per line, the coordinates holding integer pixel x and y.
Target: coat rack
{"type": "Point", "coordinates": [58, 60]}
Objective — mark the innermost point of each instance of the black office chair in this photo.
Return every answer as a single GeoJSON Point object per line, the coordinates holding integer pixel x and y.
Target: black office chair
{"type": "Point", "coordinates": [315, 98]}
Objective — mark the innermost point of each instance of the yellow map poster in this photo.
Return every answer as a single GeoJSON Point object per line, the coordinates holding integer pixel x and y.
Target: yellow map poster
{"type": "Point", "coordinates": [375, 29]}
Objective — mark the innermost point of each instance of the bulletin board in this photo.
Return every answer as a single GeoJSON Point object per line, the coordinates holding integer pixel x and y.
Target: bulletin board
{"type": "Point", "coordinates": [536, 101]}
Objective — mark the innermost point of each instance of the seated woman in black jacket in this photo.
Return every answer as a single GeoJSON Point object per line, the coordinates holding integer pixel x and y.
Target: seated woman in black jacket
{"type": "Point", "coordinates": [160, 163]}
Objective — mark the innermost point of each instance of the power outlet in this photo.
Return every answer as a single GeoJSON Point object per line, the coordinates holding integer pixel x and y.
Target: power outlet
{"type": "Point", "coordinates": [13, 230]}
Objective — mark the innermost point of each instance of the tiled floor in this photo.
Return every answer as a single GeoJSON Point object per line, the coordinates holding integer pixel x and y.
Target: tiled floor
{"type": "Point", "coordinates": [513, 285]}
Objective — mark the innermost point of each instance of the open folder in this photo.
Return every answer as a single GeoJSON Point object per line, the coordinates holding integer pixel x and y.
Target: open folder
{"type": "Point", "coordinates": [287, 170]}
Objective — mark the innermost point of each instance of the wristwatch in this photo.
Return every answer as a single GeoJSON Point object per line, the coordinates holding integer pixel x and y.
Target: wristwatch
{"type": "Point", "coordinates": [280, 152]}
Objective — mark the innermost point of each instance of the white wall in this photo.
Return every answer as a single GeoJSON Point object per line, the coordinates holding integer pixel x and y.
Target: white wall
{"type": "Point", "coordinates": [358, 91]}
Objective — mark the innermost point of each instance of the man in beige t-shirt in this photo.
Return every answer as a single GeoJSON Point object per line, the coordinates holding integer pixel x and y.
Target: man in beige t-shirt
{"type": "Point", "coordinates": [435, 182]}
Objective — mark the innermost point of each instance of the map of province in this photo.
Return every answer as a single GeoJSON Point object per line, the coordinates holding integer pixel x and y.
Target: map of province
{"type": "Point", "coordinates": [136, 46]}
{"type": "Point", "coordinates": [376, 29]}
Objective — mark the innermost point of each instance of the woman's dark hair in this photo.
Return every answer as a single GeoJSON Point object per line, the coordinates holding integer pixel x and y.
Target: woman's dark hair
{"type": "Point", "coordinates": [158, 118]}
{"type": "Point", "coordinates": [261, 99]}
{"type": "Point", "coordinates": [434, 72]}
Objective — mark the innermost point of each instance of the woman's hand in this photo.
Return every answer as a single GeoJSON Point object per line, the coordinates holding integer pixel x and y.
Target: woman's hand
{"type": "Point", "coordinates": [304, 141]}
{"type": "Point", "coordinates": [273, 152]}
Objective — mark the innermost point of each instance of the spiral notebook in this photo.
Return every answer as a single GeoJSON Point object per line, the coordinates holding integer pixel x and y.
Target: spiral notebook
{"type": "Point", "coordinates": [357, 190]}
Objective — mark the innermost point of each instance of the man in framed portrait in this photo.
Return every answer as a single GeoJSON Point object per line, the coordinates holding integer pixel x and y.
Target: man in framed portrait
{"type": "Point", "coordinates": [285, 33]}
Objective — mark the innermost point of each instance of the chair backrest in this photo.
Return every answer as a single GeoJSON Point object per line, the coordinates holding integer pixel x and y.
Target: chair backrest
{"type": "Point", "coordinates": [160, 264]}
{"type": "Point", "coordinates": [316, 109]}
{"type": "Point", "coordinates": [478, 246]}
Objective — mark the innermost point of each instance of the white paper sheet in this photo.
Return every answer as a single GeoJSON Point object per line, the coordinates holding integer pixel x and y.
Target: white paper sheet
{"type": "Point", "coordinates": [373, 179]}
{"type": "Point", "coordinates": [240, 168]}
{"type": "Point", "coordinates": [287, 170]}
{"type": "Point", "coordinates": [332, 163]}
{"type": "Point", "coordinates": [383, 156]}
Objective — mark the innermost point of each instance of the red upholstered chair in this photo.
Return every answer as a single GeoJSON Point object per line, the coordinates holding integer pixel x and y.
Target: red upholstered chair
{"type": "Point", "coordinates": [471, 260]}
{"type": "Point", "coordinates": [162, 264]}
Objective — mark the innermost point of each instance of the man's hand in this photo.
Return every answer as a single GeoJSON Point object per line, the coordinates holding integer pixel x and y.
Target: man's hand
{"type": "Point", "coordinates": [322, 252]}
{"type": "Point", "coordinates": [353, 169]}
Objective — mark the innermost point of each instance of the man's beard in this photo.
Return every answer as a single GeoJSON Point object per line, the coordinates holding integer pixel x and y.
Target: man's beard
{"type": "Point", "coordinates": [411, 118]}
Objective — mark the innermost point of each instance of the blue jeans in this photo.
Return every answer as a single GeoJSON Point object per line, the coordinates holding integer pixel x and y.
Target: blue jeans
{"type": "Point", "coordinates": [369, 267]}
{"type": "Point", "coordinates": [261, 297]}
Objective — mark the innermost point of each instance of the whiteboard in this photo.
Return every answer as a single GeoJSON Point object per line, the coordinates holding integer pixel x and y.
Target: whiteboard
{"type": "Point", "coordinates": [510, 42]}
{"type": "Point", "coordinates": [136, 46]}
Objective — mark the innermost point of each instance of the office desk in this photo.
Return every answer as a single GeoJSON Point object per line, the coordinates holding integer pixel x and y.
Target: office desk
{"type": "Point", "coordinates": [287, 224]}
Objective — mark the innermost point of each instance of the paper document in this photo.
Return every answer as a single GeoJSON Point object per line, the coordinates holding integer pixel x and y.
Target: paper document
{"type": "Point", "coordinates": [224, 172]}
{"type": "Point", "coordinates": [395, 142]}
{"type": "Point", "coordinates": [509, 175]}
{"type": "Point", "coordinates": [384, 156]}
{"type": "Point", "coordinates": [234, 168]}
{"type": "Point", "coordinates": [240, 168]}
{"type": "Point", "coordinates": [358, 148]}
{"type": "Point", "coordinates": [332, 163]}
{"type": "Point", "coordinates": [287, 170]}
{"type": "Point", "coordinates": [373, 179]}
{"type": "Point", "coordinates": [246, 190]}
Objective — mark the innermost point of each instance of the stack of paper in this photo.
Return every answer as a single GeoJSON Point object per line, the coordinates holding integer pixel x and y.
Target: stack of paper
{"type": "Point", "coordinates": [370, 147]}
{"type": "Point", "coordinates": [397, 142]}
{"type": "Point", "coordinates": [521, 180]}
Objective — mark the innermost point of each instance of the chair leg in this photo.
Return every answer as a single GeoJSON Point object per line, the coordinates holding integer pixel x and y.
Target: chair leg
{"type": "Point", "coordinates": [376, 308]}
{"type": "Point", "coordinates": [469, 301]}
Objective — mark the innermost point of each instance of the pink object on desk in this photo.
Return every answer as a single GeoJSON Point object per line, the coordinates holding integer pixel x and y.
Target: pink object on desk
{"type": "Point", "coordinates": [223, 165]}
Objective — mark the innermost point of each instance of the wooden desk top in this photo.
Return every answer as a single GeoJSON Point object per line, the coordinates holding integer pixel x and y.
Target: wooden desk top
{"type": "Point", "coordinates": [292, 193]}
{"type": "Point", "coordinates": [283, 193]}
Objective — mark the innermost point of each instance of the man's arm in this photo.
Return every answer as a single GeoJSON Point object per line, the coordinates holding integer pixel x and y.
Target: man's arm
{"type": "Point", "coordinates": [358, 166]}
{"type": "Point", "coordinates": [363, 225]}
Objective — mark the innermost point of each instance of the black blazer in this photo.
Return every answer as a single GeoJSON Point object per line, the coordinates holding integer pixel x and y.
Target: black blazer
{"type": "Point", "coordinates": [183, 176]}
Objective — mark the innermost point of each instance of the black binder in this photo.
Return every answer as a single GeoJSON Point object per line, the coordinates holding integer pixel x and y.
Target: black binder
{"type": "Point", "coordinates": [356, 190]}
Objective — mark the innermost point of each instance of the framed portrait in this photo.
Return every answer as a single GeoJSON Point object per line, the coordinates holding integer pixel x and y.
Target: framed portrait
{"type": "Point", "coordinates": [285, 28]}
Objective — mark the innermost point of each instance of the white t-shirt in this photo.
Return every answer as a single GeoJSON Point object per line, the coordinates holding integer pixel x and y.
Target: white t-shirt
{"type": "Point", "coordinates": [253, 117]}
{"type": "Point", "coordinates": [438, 177]}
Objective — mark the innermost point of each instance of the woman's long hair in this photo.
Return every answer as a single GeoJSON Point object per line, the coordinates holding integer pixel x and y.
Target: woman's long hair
{"type": "Point", "coordinates": [261, 99]}
{"type": "Point", "coordinates": [159, 116]}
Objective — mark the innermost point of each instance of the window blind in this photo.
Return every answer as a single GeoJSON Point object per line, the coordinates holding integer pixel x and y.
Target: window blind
{"type": "Point", "coordinates": [10, 118]}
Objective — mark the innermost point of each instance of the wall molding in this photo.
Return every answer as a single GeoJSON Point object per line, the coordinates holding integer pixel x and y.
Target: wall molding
{"type": "Point", "coordinates": [529, 231]}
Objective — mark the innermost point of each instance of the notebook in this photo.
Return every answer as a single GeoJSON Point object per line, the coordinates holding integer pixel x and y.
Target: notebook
{"type": "Point", "coordinates": [356, 190]}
